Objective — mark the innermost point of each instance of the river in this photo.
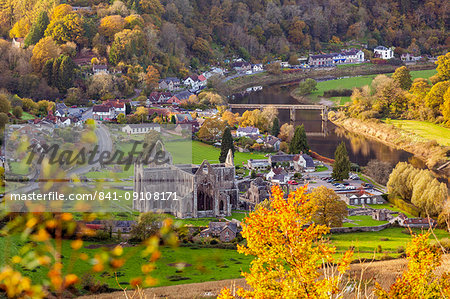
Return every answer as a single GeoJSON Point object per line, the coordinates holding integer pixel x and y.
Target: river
{"type": "Point", "coordinates": [361, 149]}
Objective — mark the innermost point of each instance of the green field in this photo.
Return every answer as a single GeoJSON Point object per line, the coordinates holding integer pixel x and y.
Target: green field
{"type": "Point", "coordinates": [427, 131]}
{"type": "Point", "coordinates": [363, 221]}
{"type": "Point", "coordinates": [205, 264]}
{"type": "Point", "coordinates": [350, 83]}
{"type": "Point", "coordinates": [19, 168]}
{"type": "Point", "coordinates": [202, 151]}
{"type": "Point", "coordinates": [366, 243]}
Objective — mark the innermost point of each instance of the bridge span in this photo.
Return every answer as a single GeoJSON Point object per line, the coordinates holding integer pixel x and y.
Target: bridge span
{"type": "Point", "coordinates": [292, 108]}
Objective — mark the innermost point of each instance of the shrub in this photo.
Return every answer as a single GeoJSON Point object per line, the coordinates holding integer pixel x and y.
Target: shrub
{"type": "Point", "coordinates": [337, 93]}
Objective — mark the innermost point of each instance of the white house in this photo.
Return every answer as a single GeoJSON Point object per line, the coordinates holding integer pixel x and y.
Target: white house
{"type": "Point", "coordinates": [100, 69]}
{"type": "Point", "coordinates": [383, 52]}
{"type": "Point", "coordinates": [284, 64]}
{"type": "Point", "coordinates": [304, 162]}
{"type": "Point", "coordinates": [246, 131]}
{"type": "Point", "coordinates": [257, 68]}
{"type": "Point", "coordinates": [257, 164]}
{"type": "Point", "coordinates": [101, 112]}
{"type": "Point", "coordinates": [18, 42]}
{"type": "Point", "coordinates": [140, 128]}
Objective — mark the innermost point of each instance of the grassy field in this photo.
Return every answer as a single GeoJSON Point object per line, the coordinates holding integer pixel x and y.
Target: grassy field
{"type": "Point", "coordinates": [350, 83]}
{"type": "Point", "coordinates": [366, 243]}
{"type": "Point", "coordinates": [363, 221]}
{"type": "Point", "coordinates": [202, 151]}
{"type": "Point", "coordinates": [204, 264]}
{"type": "Point", "coordinates": [19, 168]}
{"type": "Point", "coordinates": [427, 131]}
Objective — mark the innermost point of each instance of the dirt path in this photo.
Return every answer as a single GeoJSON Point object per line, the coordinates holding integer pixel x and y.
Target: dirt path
{"type": "Point", "coordinates": [384, 272]}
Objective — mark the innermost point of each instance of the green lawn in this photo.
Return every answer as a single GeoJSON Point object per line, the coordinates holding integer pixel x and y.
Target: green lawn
{"type": "Point", "coordinates": [366, 243]}
{"type": "Point", "coordinates": [321, 168]}
{"type": "Point", "coordinates": [427, 131]}
{"type": "Point", "coordinates": [350, 83]}
{"type": "Point", "coordinates": [205, 221]}
{"type": "Point", "coordinates": [202, 151]}
{"type": "Point", "coordinates": [363, 221]}
{"type": "Point", "coordinates": [19, 168]}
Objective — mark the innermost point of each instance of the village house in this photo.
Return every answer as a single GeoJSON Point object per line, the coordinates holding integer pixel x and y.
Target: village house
{"type": "Point", "coordinates": [225, 231]}
{"type": "Point", "coordinates": [169, 83]}
{"type": "Point", "coordinates": [424, 223]}
{"type": "Point", "coordinates": [257, 68]}
{"type": "Point", "coordinates": [257, 164]}
{"type": "Point", "coordinates": [180, 97]}
{"type": "Point", "coordinates": [272, 142]}
{"type": "Point", "coordinates": [118, 106]}
{"type": "Point", "coordinates": [383, 52]}
{"type": "Point", "coordinates": [246, 131]}
{"type": "Point", "coordinates": [158, 97]}
{"type": "Point", "coordinates": [140, 128]}
{"type": "Point", "coordinates": [331, 59]}
{"type": "Point", "coordinates": [274, 172]}
{"type": "Point", "coordinates": [100, 69]}
{"type": "Point", "coordinates": [241, 66]}
{"type": "Point", "coordinates": [101, 112]}
{"type": "Point", "coordinates": [407, 57]}
{"type": "Point", "coordinates": [280, 159]}
{"type": "Point", "coordinates": [304, 162]}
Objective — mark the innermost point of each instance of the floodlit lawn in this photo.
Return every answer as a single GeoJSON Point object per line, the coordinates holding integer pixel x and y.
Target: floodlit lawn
{"type": "Point", "coordinates": [365, 243]}
{"type": "Point", "coordinates": [426, 130]}
{"type": "Point", "coordinates": [350, 83]}
{"type": "Point", "coordinates": [363, 221]}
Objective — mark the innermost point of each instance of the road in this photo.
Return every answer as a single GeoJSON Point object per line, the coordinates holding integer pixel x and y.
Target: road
{"type": "Point", "coordinates": [104, 144]}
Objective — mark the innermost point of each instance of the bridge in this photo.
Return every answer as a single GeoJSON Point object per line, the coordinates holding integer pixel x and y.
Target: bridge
{"type": "Point", "coordinates": [292, 108]}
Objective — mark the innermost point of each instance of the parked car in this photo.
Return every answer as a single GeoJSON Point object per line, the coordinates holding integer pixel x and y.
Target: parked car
{"type": "Point", "coordinates": [340, 186]}
{"type": "Point", "coordinates": [350, 187]}
{"type": "Point", "coordinates": [345, 183]}
{"type": "Point", "coordinates": [292, 182]}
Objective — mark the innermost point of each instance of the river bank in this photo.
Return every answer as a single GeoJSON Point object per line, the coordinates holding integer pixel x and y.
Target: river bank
{"type": "Point", "coordinates": [432, 153]}
{"type": "Point", "coordinates": [240, 83]}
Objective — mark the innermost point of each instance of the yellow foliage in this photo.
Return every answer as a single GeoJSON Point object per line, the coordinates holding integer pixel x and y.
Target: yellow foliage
{"type": "Point", "coordinates": [20, 28]}
{"type": "Point", "coordinates": [44, 50]}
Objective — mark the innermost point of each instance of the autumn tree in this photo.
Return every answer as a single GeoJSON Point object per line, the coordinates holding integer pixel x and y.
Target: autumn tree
{"type": "Point", "coordinates": [274, 68]}
{"type": "Point", "coordinates": [20, 28]}
{"type": "Point", "coordinates": [341, 165]}
{"type": "Point", "coordinates": [128, 44]}
{"type": "Point", "coordinates": [202, 48]}
{"type": "Point", "coordinates": [330, 209]}
{"type": "Point", "coordinates": [435, 97]}
{"type": "Point", "coordinates": [269, 113]}
{"type": "Point", "coordinates": [299, 143]}
{"type": "Point", "coordinates": [152, 77]}
{"type": "Point", "coordinates": [142, 113]}
{"type": "Point", "coordinates": [5, 105]}
{"type": "Point", "coordinates": [110, 25]}
{"type": "Point", "coordinates": [212, 129]}
{"type": "Point", "coordinates": [17, 112]}
{"type": "Point", "coordinates": [3, 119]}
{"type": "Point", "coordinates": [402, 77]}
{"type": "Point", "coordinates": [61, 11]}
{"type": "Point", "coordinates": [254, 118]}
{"type": "Point", "coordinates": [287, 250]}
{"type": "Point", "coordinates": [420, 279]}
{"type": "Point", "coordinates": [37, 29]}
{"type": "Point", "coordinates": [226, 145]}
{"type": "Point", "coordinates": [231, 118]}
{"type": "Point", "coordinates": [445, 107]}
{"type": "Point", "coordinates": [443, 68]}
{"type": "Point", "coordinates": [66, 29]}
{"type": "Point", "coordinates": [44, 50]}
{"type": "Point", "coordinates": [286, 132]}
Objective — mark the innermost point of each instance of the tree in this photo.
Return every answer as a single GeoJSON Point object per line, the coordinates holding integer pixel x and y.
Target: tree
{"type": "Point", "coordinates": [173, 119]}
{"type": "Point", "coordinates": [212, 129]}
{"type": "Point", "coordinates": [152, 77]}
{"type": "Point", "coordinates": [66, 29]}
{"type": "Point", "coordinates": [299, 143]}
{"type": "Point", "coordinates": [254, 118]}
{"type": "Point", "coordinates": [66, 73]}
{"type": "Point", "coordinates": [17, 112]}
{"type": "Point", "coordinates": [61, 11]}
{"type": "Point", "coordinates": [73, 97]}
{"type": "Point", "coordinates": [275, 130]}
{"type": "Point", "coordinates": [269, 113]}
{"type": "Point", "coordinates": [330, 209]}
{"type": "Point", "coordinates": [286, 132]}
{"type": "Point", "coordinates": [148, 225]}
{"type": "Point", "coordinates": [44, 50]}
{"type": "Point", "coordinates": [110, 25]}
{"type": "Point", "coordinates": [121, 118]}
{"type": "Point", "coordinates": [445, 108]}
{"type": "Point", "coordinates": [402, 77]}
{"type": "Point", "coordinates": [341, 165]}
{"type": "Point", "coordinates": [274, 68]}
{"type": "Point", "coordinates": [231, 118]}
{"type": "Point", "coordinates": [142, 113]}
{"type": "Point", "coordinates": [287, 250]}
{"type": "Point", "coordinates": [420, 279]}
{"type": "Point", "coordinates": [201, 47]}
{"type": "Point", "coordinates": [3, 119]}
{"type": "Point", "coordinates": [306, 87]}
{"type": "Point", "coordinates": [379, 171]}
{"type": "Point", "coordinates": [5, 105]}
{"type": "Point", "coordinates": [227, 144]}
{"type": "Point", "coordinates": [435, 97]}
{"type": "Point", "coordinates": [443, 68]}
{"type": "Point", "coordinates": [37, 29]}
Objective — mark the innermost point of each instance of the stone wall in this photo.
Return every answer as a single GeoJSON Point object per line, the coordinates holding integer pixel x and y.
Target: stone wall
{"type": "Point", "coordinates": [343, 230]}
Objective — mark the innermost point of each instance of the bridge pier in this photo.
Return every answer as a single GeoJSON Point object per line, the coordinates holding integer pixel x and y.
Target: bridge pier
{"type": "Point", "coordinates": [324, 113]}
{"type": "Point", "coordinates": [292, 115]}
